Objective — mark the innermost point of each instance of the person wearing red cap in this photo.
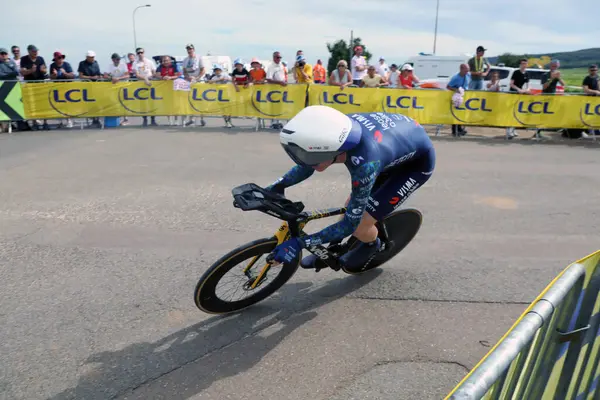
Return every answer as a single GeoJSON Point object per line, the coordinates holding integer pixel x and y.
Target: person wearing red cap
{"type": "Point", "coordinates": [60, 69]}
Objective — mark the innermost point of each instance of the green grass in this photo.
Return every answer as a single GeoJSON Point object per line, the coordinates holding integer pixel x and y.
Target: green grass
{"type": "Point", "coordinates": [574, 77]}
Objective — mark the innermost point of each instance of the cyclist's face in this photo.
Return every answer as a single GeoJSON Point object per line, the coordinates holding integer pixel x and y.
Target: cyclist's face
{"type": "Point", "coordinates": [323, 166]}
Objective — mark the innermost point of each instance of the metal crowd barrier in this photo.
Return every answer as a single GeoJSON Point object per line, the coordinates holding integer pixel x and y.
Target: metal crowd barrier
{"type": "Point", "coordinates": [552, 351]}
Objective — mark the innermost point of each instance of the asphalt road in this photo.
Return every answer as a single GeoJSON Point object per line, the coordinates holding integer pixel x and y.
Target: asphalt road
{"type": "Point", "coordinates": [104, 233]}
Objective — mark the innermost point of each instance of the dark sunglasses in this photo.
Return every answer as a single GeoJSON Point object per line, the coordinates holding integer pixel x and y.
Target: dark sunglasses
{"type": "Point", "coordinates": [140, 52]}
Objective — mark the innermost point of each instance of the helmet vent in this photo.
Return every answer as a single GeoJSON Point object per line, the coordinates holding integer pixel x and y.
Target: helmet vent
{"type": "Point", "coordinates": [287, 131]}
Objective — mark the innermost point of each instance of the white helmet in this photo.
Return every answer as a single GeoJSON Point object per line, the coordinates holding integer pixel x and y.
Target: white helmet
{"type": "Point", "coordinates": [318, 134]}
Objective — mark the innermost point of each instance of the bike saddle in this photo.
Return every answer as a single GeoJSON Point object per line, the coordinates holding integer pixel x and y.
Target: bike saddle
{"type": "Point", "coordinates": [252, 197]}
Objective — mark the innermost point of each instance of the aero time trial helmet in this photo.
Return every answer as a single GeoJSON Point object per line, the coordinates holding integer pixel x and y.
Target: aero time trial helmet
{"type": "Point", "coordinates": [318, 134]}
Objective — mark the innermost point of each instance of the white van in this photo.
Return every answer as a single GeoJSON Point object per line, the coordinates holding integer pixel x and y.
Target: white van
{"type": "Point", "coordinates": [436, 67]}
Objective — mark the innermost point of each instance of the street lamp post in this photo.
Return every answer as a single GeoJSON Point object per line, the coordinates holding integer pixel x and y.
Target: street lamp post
{"type": "Point", "coordinates": [134, 37]}
{"type": "Point", "coordinates": [437, 10]}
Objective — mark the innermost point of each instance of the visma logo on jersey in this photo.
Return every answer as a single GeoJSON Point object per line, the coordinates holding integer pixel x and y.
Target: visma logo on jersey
{"type": "Point", "coordinates": [201, 99]}
{"type": "Point", "coordinates": [271, 103]}
{"type": "Point", "coordinates": [590, 115]}
{"type": "Point", "coordinates": [472, 110]}
{"type": "Point", "coordinates": [72, 102]}
{"type": "Point", "coordinates": [531, 112]}
{"type": "Point", "coordinates": [340, 98]}
{"type": "Point", "coordinates": [141, 100]}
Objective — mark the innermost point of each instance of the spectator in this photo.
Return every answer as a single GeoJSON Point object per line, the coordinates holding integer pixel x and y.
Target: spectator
{"type": "Point", "coordinates": [382, 68]}
{"type": "Point", "coordinates": [590, 83]}
{"type": "Point", "coordinates": [16, 51]}
{"type": "Point", "coordinates": [358, 65]}
{"type": "Point", "coordinates": [193, 71]}
{"type": "Point", "coordinates": [8, 68]}
{"type": "Point", "coordinates": [341, 76]}
{"type": "Point", "coordinates": [167, 71]}
{"type": "Point", "coordinates": [257, 73]}
{"type": "Point", "coordinates": [552, 78]}
{"type": "Point", "coordinates": [319, 73]}
{"type": "Point", "coordinates": [219, 77]}
{"type": "Point", "coordinates": [458, 84]}
{"type": "Point", "coordinates": [303, 72]}
{"type": "Point", "coordinates": [372, 79]}
{"type": "Point", "coordinates": [494, 83]}
{"type": "Point", "coordinates": [33, 68]}
{"type": "Point", "coordinates": [144, 69]}
{"type": "Point", "coordinates": [591, 87]}
{"type": "Point", "coordinates": [117, 71]}
{"type": "Point", "coordinates": [479, 68]}
{"type": "Point", "coordinates": [61, 70]}
{"type": "Point", "coordinates": [519, 83]}
{"type": "Point", "coordinates": [407, 77]}
{"type": "Point", "coordinates": [131, 58]}
{"type": "Point", "coordinates": [90, 70]}
{"type": "Point", "coordinates": [393, 77]}
{"type": "Point", "coordinates": [8, 72]}
{"type": "Point", "coordinates": [549, 82]}
{"type": "Point", "coordinates": [277, 74]}
{"type": "Point", "coordinates": [240, 75]}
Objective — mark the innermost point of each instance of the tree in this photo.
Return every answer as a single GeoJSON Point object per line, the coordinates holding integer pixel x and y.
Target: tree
{"type": "Point", "coordinates": [340, 51]}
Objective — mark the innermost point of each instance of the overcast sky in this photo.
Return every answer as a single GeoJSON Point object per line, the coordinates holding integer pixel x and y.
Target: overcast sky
{"type": "Point", "coordinates": [396, 29]}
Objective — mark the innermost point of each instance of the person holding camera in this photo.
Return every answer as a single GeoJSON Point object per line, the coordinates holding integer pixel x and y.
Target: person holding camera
{"type": "Point", "coordinates": [302, 71]}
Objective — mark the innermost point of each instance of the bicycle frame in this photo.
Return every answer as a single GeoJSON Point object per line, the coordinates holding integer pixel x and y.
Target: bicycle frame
{"type": "Point", "coordinates": [295, 229]}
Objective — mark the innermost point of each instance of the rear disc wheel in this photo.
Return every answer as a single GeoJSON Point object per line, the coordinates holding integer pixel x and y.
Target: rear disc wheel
{"type": "Point", "coordinates": [402, 226]}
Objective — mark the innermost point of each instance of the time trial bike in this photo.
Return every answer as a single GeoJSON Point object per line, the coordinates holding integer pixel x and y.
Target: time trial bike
{"type": "Point", "coordinates": [260, 276]}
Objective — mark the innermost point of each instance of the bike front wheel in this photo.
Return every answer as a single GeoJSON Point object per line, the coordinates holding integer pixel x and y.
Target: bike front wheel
{"type": "Point", "coordinates": [251, 257]}
{"type": "Point", "coordinates": [401, 226]}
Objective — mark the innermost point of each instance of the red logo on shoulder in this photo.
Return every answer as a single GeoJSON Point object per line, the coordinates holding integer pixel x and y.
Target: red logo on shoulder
{"type": "Point", "coordinates": [394, 200]}
{"type": "Point", "coordinates": [378, 136]}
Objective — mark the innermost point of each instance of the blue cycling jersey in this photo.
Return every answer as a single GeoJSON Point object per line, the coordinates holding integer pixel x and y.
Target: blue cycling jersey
{"type": "Point", "coordinates": [387, 140]}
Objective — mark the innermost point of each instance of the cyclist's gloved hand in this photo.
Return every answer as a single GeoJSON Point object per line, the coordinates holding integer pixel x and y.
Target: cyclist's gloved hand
{"type": "Point", "coordinates": [287, 251]}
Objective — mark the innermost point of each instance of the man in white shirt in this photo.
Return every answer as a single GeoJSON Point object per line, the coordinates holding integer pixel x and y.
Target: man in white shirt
{"type": "Point", "coordinates": [276, 75]}
{"type": "Point", "coordinates": [276, 71]}
{"type": "Point", "coordinates": [145, 69]}
{"type": "Point", "coordinates": [117, 71]}
{"type": "Point", "coordinates": [193, 71]}
{"type": "Point", "coordinates": [382, 68]}
{"type": "Point", "coordinates": [358, 66]}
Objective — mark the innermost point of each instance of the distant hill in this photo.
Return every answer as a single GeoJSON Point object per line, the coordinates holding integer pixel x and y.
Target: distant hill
{"type": "Point", "coordinates": [568, 59]}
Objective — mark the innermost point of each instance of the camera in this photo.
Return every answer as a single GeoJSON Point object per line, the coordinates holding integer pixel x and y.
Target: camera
{"type": "Point", "coordinates": [301, 63]}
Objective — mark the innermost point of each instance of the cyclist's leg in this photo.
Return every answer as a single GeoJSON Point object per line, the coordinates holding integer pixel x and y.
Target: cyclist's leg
{"type": "Point", "coordinates": [389, 196]}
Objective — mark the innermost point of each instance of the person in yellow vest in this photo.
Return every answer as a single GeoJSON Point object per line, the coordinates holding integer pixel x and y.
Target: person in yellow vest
{"type": "Point", "coordinates": [303, 72]}
{"type": "Point", "coordinates": [319, 73]}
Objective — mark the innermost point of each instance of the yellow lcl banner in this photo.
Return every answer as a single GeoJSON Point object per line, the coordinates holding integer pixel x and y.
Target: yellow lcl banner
{"type": "Point", "coordinates": [88, 99]}
{"type": "Point", "coordinates": [48, 100]}
{"type": "Point", "coordinates": [478, 108]}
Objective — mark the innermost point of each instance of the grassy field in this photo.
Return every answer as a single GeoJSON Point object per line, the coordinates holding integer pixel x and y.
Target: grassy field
{"type": "Point", "coordinates": [574, 77]}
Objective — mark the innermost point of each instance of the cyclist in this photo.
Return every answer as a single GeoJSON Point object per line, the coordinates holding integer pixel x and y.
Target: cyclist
{"type": "Point", "coordinates": [388, 156]}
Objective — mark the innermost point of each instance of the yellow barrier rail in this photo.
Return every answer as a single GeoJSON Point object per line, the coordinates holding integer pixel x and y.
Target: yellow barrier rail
{"type": "Point", "coordinates": [552, 350]}
{"type": "Point", "coordinates": [49, 100]}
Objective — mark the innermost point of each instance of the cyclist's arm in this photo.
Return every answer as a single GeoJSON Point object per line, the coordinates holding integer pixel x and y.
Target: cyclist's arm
{"type": "Point", "coordinates": [363, 180]}
{"type": "Point", "coordinates": [294, 176]}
